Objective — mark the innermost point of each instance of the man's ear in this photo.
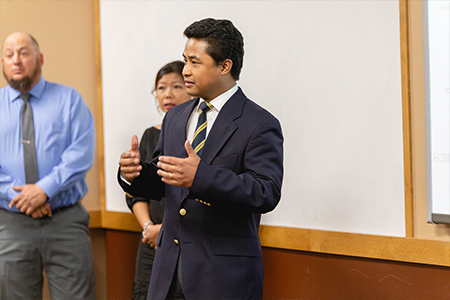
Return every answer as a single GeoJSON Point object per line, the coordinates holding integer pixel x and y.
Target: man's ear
{"type": "Point", "coordinates": [41, 58]}
{"type": "Point", "coordinates": [227, 64]}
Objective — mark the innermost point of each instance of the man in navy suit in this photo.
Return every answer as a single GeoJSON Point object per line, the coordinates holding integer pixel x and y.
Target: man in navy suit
{"type": "Point", "coordinates": [208, 246]}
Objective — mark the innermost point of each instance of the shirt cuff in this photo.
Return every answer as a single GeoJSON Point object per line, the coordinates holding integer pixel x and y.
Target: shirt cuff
{"type": "Point", "coordinates": [124, 179]}
{"type": "Point", "coordinates": [48, 186]}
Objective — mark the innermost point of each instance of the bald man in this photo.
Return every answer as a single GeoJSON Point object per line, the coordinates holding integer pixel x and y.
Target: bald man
{"type": "Point", "coordinates": [42, 222]}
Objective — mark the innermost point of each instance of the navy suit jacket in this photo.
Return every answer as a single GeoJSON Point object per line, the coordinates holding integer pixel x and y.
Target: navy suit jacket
{"type": "Point", "coordinates": [213, 225]}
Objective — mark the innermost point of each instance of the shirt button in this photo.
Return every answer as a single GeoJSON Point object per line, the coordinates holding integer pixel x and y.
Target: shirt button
{"type": "Point", "coordinates": [176, 241]}
{"type": "Point", "coordinates": [182, 211]}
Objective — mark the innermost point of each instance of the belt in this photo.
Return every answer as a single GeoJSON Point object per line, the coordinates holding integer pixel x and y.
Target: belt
{"type": "Point", "coordinates": [54, 211]}
{"type": "Point", "coordinates": [61, 209]}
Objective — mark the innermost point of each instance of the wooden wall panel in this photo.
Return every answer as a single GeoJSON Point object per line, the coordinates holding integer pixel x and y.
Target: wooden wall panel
{"type": "Point", "coordinates": [292, 274]}
{"type": "Point", "coordinates": [304, 275]}
{"type": "Point", "coordinates": [121, 249]}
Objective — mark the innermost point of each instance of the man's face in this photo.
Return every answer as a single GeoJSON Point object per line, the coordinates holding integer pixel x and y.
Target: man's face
{"type": "Point", "coordinates": [201, 73]}
{"type": "Point", "coordinates": [21, 62]}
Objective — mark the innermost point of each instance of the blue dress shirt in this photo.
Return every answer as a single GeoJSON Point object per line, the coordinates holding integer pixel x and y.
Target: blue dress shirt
{"type": "Point", "coordinates": [64, 137]}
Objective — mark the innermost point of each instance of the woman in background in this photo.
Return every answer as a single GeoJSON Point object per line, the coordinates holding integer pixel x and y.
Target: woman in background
{"type": "Point", "coordinates": [170, 91]}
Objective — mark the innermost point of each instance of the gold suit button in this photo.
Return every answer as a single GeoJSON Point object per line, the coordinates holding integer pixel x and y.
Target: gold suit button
{"type": "Point", "coordinates": [182, 211]}
{"type": "Point", "coordinates": [176, 241]}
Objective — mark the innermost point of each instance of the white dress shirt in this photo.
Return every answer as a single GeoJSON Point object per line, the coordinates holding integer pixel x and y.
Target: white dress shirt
{"type": "Point", "coordinates": [211, 115]}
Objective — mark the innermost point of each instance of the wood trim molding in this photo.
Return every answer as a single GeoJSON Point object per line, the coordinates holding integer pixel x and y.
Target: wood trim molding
{"type": "Point", "coordinates": [410, 250]}
{"type": "Point", "coordinates": [114, 220]}
{"type": "Point", "coordinates": [120, 221]}
{"type": "Point", "coordinates": [96, 219]}
{"type": "Point", "coordinates": [406, 109]}
{"type": "Point", "coordinates": [402, 249]}
{"type": "Point", "coordinates": [100, 150]}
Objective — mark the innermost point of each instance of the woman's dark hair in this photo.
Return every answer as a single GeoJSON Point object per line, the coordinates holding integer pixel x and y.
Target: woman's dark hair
{"type": "Point", "coordinates": [172, 67]}
{"type": "Point", "coordinates": [223, 39]}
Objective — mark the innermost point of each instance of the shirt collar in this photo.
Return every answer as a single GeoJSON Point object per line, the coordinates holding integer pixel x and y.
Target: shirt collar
{"type": "Point", "coordinates": [36, 90]}
{"type": "Point", "coordinates": [220, 100]}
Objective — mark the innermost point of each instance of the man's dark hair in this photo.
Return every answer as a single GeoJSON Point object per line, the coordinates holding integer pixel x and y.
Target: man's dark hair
{"type": "Point", "coordinates": [223, 39]}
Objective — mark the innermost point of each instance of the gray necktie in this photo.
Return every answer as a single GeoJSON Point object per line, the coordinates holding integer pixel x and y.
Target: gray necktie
{"type": "Point", "coordinates": [29, 148]}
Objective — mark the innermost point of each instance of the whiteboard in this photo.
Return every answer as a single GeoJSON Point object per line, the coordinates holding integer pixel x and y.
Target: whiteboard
{"type": "Point", "coordinates": [437, 96]}
{"type": "Point", "coordinates": [328, 70]}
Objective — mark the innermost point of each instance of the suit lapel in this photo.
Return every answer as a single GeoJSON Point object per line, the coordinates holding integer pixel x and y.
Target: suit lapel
{"type": "Point", "coordinates": [224, 126]}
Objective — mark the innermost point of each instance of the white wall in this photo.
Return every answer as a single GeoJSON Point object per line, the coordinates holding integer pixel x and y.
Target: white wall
{"type": "Point", "coordinates": [329, 70]}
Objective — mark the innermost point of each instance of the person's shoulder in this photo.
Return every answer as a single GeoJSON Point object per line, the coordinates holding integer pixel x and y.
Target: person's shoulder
{"type": "Point", "coordinates": [152, 130]}
{"type": "Point", "coordinates": [59, 87]}
{"type": "Point", "coordinates": [185, 104]}
{"type": "Point", "coordinates": [3, 93]}
{"type": "Point", "coordinates": [253, 108]}
{"type": "Point", "coordinates": [150, 133]}
{"type": "Point", "coordinates": [181, 107]}
{"type": "Point", "coordinates": [64, 92]}
{"type": "Point", "coordinates": [6, 89]}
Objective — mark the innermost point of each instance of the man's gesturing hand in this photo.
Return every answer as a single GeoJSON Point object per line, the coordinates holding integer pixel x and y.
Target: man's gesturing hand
{"type": "Point", "coordinates": [130, 161]}
{"type": "Point", "coordinates": [179, 171]}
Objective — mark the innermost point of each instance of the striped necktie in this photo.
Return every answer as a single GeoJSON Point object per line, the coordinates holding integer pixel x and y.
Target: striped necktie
{"type": "Point", "coordinates": [29, 148]}
{"type": "Point", "coordinates": [200, 132]}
